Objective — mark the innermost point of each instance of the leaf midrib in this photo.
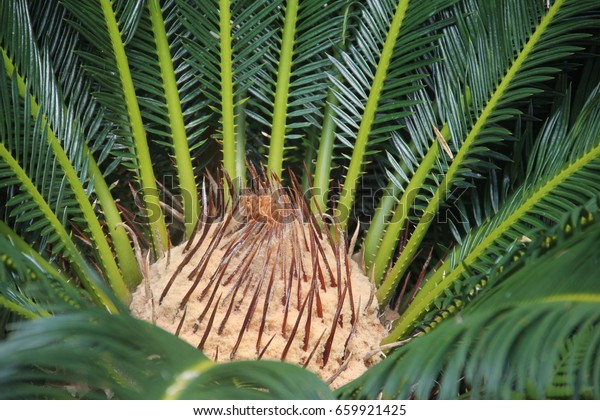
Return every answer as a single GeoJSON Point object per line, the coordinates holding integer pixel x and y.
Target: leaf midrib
{"type": "Point", "coordinates": [80, 265]}
{"type": "Point", "coordinates": [435, 286]}
{"type": "Point", "coordinates": [156, 220]}
{"type": "Point", "coordinates": [108, 263]}
{"type": "Point", "coordinates": [348, 190]}
{"type": "Point", "coordinates": [400, 267]}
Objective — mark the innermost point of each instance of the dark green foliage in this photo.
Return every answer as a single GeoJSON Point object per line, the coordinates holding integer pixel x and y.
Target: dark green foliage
{"type": "Point", "coordinates": [484, 130]}
{"type": "Point", "coordinates": [534, 334]}
{"type": "Point", "coordinates": [91, 354]}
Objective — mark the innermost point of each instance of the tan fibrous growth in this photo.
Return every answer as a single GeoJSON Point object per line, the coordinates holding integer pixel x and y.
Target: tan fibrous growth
{"type": "Point", "coordinates": [262, 278]}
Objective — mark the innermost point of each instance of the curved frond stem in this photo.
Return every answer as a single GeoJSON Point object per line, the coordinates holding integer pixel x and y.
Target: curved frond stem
{"type": "Point", "coordinates": [26, 249]}
{"type": "Point", "coordinates": [284, 73]}
{"type": "Point", "coordinates": [240, 142]}
{"type": "Point", "coordinates": [227, 99]}
{"type": "Point", "coordinates": [17, 309]}
{"type": "Point", "coordinates": [378, 223]}
{"type": "Point", "coordinates": [444, 277]}
{"type": "Point", "coordinates": [394, 229]}
{"type": "Point", "coordinates": [83, 270]}
{"type": "Point", "coordinates": [109, 266]}
{"type": "Point", "coordinates": [322, 169]}
{"type": "Point", "coordinates": [156, 221]}
{"type": "Point", "coordinates": [396, 273]}
{"type": "Point", "coordinates": [324, 157]}
{"type": "Point", "coordinates": [346, 200]}
{"type": "Point", "coordinates": [572, 297]}
{"type": "Point", "coordinates": [183, 161]}
{"type": "Point", "coordinates": [120, 240]}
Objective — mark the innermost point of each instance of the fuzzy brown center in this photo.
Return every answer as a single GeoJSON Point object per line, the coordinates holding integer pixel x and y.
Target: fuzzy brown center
{"type": "Point", "coordinates": [270, 284]}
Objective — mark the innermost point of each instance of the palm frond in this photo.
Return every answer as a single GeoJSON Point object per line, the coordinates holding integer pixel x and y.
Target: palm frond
{"type": "Point", "coordinates": [108, 29]}
{"type": "Point", "coordinates": [226, 42]}
{"type": "Point", "coordinates": [92, 38]}
{"type": "Point", "coordinates": [91, 354]}
{"type": "Point", "coordinates": [31, 287]}
{"type": "Point", "coordinates": [287, 93]}
{"type": "Point", "coordinates": [415, 170]}
{"type": "Point", "coordinates": [67, 147]}
{"type": "Point", "coordinates": [176, 121]}
{"type": "Point", "coordinates": [379, 72]}
{"type": "Point", "coordinates": [501, 67]}
{"type": "Point", "coordinates": [533, 335]}
{"type": "Point", "coordinates": [57, 41]}
{"type": "Point", "coordinates": [555, 187]}
{"type": "Point", "coordinates": [41, 200]}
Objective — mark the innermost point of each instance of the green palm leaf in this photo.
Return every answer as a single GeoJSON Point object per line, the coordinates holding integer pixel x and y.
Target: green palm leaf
{"type": "Point", "coordinates": [414, 172]}
{"type": "Point", "coordinates": [91, 354]}
{"type": "Point", "coordinates": [58, 41]}
{"type": "Point", "coordinates": [224, 65]}
{"type": "Point", "coordinates": [378, 72]}
{"type": "Point", "coordinates": [42, 201]}
{"type": "Point", "coordinates": [498, 76]}
{"type": "Point", "coordinates": [534, 335]}
{"type": "Point", "coordinates": [176, 123]}
{"type": "Point", "coordinates": [289, 93]}
{"type": "Point", "coordinates": [108, 29]}
{"type": "Point", "coordinates": [31, 287]}
{"type": "Point", "coordinates": [66, 141]}
{"type": "Point", "coordinates": [555, 186]}
{"type": "Point", "coordinates": [167, 96]}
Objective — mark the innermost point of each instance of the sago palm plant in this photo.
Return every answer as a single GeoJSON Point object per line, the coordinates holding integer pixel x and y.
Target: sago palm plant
{"type": "Point", "coordinates": [444, 153]}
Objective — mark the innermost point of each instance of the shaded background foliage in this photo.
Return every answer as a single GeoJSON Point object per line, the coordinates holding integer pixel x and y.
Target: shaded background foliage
{"type": "Point", "coordinates": [461, 138]}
